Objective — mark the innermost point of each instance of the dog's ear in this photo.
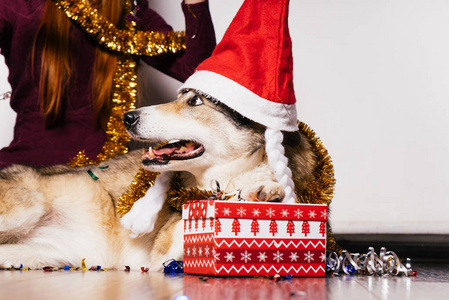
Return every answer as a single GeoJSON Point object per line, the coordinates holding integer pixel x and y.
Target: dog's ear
{"type": "Point", "coordinates": [292, 139]}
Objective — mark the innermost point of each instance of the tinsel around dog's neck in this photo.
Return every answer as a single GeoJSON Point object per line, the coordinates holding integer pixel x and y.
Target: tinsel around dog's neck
{"type": "Point", "coordinates": [319, 191]}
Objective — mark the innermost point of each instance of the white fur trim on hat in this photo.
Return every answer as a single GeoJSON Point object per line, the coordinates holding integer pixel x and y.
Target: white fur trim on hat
{"type": "Point", "coordinates": [271, 114]}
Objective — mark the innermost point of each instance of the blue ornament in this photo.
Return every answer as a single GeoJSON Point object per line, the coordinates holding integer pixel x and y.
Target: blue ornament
{"type": "Point", "coordinates": [172, 266]}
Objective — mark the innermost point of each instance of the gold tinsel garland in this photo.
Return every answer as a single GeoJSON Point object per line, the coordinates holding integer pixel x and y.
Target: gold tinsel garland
{"type": "Point", "coordinates": [143, 180]}
{"type": "Point", "coordinates": [125, 40]}
{"type": "Point", "coordinates": [128, 41]}
{"type": "Point", "coordinates": [124, 94]}
{"type": "Point", "coordinates": [320, 190]}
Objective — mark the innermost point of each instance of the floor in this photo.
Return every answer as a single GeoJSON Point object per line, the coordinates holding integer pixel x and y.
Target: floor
{"type": "Point", "coordinates": [431, 282]}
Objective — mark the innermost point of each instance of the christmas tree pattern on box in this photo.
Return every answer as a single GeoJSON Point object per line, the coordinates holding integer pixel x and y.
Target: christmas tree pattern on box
{"type": "Point", "coordinates": [254, 238]}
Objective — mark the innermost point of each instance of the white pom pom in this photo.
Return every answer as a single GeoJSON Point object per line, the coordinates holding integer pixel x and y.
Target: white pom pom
{"type": "Point", "coordinates": [279, 163]}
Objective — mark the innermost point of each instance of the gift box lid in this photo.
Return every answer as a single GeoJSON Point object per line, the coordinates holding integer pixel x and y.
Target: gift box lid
{"type": "Point", "coordinates": [201, 209]}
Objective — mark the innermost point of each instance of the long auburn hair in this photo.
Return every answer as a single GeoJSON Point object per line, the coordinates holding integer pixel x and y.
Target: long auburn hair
{"type": "Point", "coordinates": [56, 64]}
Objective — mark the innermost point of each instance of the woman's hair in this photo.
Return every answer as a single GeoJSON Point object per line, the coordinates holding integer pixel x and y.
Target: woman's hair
{"type": "Point", "coordinates": [56, 67]}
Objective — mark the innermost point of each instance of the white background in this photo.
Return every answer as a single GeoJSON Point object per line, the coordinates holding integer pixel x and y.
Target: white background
{"type": "Point", "coordinates": [372, 79]}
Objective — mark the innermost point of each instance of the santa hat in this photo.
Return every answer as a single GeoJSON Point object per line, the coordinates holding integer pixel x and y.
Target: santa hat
{"type": "Point", "coordinates": [251, 71]}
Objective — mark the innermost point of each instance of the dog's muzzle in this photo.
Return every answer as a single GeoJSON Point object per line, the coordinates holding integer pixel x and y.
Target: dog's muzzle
{"type": "Point", "coordinates": [130, 119]}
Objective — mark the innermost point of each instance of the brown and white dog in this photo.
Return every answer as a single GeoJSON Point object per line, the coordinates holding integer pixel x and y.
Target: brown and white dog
{"type": "Point", "coordinates": [59, 215]}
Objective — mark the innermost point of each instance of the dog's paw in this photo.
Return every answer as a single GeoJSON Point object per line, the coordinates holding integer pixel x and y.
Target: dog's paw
{"type": "Point", "coordinates": [140, 219]}
{"type": "Point", "coordinates": [143, 215]}
{"type": "Point", "coordinates": [268, 191]}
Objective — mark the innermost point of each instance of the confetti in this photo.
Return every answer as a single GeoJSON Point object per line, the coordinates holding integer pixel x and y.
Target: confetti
{"type": "Point", "coordinates": [83, 264]}
{"type": "Point", "coordinates": [5, 96]}
{"type": "Point", "coordinates": [92, 175]}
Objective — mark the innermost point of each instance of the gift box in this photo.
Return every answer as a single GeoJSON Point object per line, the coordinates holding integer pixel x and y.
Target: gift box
{"type": "Point", "coordinates": [254, 238]}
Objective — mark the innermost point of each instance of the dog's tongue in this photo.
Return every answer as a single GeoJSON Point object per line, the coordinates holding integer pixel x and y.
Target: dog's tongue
{"type": "Point", "coordinates": [176, 150]}
{"type": "Point", "coordinates": [165, 150]}
{"type": "Point", "coordinates": [177, 147]}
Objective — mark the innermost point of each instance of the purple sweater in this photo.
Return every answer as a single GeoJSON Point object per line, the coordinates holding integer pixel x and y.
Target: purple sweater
{"type": "Point", "coordinates": [33, 143]}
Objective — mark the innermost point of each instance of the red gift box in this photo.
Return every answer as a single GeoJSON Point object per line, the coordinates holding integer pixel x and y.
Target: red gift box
{"type": "Point", "coordinates": [254, 238]}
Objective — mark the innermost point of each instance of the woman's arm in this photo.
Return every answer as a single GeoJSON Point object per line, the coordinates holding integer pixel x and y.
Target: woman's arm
{"type": "Point", "coordinates": [200, 38]}
{"type": "Point", "coordinates": [4, 16]}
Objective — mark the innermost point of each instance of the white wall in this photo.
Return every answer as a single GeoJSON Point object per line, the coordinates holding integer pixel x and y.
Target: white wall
{"type": "Point", "coordinates": [7, 116]}
{"type": "Point", "coordinates": [371, 79]}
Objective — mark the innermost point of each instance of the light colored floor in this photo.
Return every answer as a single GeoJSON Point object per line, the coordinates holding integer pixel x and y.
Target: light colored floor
{"type": "Point", "coordinates": [431, 282]}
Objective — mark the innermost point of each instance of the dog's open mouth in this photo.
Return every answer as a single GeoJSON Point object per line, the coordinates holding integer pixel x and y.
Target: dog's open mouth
{"type": "Point", "coordinates": [173, 150]}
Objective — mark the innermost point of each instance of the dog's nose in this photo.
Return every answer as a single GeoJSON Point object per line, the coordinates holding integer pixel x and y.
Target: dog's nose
{"type": "Point", "coordinates": [130, 119]}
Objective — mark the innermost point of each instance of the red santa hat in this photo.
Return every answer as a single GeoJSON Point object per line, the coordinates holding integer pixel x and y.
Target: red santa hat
{"type": "Point", "coordinates": [251, 71]}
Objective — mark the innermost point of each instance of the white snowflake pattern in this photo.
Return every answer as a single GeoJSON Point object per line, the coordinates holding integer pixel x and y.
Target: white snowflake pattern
{"type": "Point", "coordinates": [312, 214]}
{"type": "Point", "coordinates": [206, 251]}
{"type": "Point", "coordinates": [193, 251]}
{"type": "Point", "coordinates": [285, 213]}
{"type": "Point", "coordinates": [262, 256]}
{"type": "Point", "coordinates": [226, 211]}
{"type": "Point", "coordinates": [188, 251]}
{"type": "Point", "coordinates": [309, 256]}
{"type": "Point", "coordinates": [215, 254]}
{"type": "Point", "coordinates": [256, 212]}
{"type": "Point", "coordinates": [241, 211]}
{"type": "Point", "coordinates": [229, 256]}
{"type": "Point", "coordinates": [294, 256]}
{"type": "Point", "coordinates": [298, 213]}
{"type": "Point", "coordinates": [270, 212]}
{"type": "Point", "coordinates": [323, 256]}
{"type": "Point", "coordinates": [200, 251]}
{"type": "Point", "coordinates": [324, 214]}
{"type": "Point", "coordinates": [246, 256]}
{"type": "Point", "coordinates": [278, 256]}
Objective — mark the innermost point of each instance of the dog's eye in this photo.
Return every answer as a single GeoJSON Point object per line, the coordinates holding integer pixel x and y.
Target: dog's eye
{"type": "Point", "coordinates": [195, 101]}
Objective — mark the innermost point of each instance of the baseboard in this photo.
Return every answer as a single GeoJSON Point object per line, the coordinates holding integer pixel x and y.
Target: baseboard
{"type": "Point", "coordinates": [419, 247]}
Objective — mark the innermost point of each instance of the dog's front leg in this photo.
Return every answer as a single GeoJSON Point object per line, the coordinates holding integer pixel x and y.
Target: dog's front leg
{"type": "Point", "coordinates": [142, 216]}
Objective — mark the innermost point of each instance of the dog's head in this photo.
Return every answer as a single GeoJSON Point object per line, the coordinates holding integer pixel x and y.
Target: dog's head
{"type": "Point", "coordinates": [194, 132]}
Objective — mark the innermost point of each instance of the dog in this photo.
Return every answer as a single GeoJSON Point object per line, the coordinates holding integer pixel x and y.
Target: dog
{"type": "Point", "coordinates": [60, 215]}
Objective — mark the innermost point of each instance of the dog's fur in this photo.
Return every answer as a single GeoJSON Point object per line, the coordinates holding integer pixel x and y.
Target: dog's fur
{"type": "Point", "coordinates": [59, 215]}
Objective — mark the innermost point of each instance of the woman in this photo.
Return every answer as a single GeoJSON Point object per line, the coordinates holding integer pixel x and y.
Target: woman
{"type": "Point", "coordinates": [72, 79]}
